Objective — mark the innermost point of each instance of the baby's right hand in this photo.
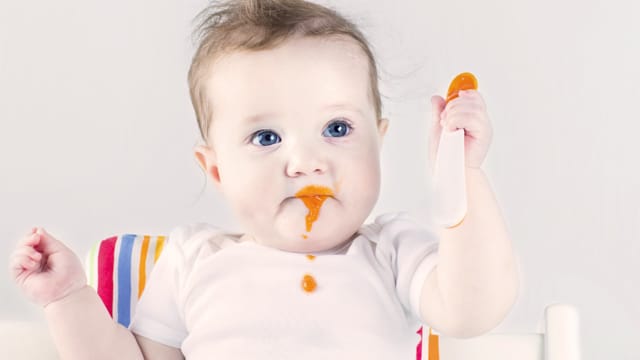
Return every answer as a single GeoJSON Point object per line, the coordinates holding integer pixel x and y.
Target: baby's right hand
{"type": "Point", "coordinates": [45, 269]}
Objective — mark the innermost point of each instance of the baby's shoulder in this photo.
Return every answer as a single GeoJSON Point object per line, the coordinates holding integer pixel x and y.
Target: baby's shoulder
{"type": "Point", "coordinates": [389, 225]}
{"type": "Point", "coordinates": [394, 230]}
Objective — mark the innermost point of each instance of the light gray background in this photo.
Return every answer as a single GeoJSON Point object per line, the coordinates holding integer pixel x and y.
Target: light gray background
{"type": "Point", "coordinates": [97, 131]}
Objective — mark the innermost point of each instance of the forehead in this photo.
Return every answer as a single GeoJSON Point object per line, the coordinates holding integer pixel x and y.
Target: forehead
{"type": "Point", "coordinates": [299, 75]}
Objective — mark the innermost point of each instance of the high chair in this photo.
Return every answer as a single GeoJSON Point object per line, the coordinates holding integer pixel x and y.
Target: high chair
{"type": "Point", "coordinates": [117, 267]}
{"type": "Point", "coordinates": [560, 340]}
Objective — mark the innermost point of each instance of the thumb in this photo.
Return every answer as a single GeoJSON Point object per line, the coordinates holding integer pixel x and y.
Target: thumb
{"type": "Point", "coordinates": [437, 106]}
{"type": "Point", "coordinates": [48, 244]}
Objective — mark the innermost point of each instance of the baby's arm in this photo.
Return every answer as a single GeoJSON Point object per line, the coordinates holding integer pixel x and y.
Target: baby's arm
{"type": "Point", "coordinates": [51, 275]}
{"type": "Point", "coordinates": [82, 329]}
{"type": "Point", "coordinates": [475, 283]}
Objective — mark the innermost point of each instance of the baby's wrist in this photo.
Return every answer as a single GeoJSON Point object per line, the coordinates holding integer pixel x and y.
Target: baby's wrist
{"type": "Point", "coordinates": [71, 296]}
{"type": "Point", "coordinates": [473, 168]}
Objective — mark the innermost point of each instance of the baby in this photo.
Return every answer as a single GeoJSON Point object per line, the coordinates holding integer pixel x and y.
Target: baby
{"type": "Point", "coordinates": [286, 97]}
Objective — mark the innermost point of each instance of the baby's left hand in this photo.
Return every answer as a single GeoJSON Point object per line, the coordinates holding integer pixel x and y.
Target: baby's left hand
{"type": "Point", "coordinates": [468, 112]}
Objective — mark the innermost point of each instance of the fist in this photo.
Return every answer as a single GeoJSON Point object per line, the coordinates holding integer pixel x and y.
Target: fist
{"type": "Point", "coordinates": [468, 111]}
{"type": "Point", "coordinates": [45, 269]}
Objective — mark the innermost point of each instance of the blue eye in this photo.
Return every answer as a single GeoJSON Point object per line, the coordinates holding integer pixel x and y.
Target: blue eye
{"type": "Point", "coordinates": [265, 138]}
{"type": "Point", "coordinates": [338, 129]}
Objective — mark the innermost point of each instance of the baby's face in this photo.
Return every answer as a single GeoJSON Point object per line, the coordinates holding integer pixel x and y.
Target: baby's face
{"type": "Point", "coordinates": [297, 115]}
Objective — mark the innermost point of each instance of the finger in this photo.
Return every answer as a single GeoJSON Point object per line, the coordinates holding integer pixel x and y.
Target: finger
{"type": "Point", "coordinates": [15, 265]}
{"type": "Point", "coordinates": [463, 102]}
{"type": "Point", "coordinates": [20, 263]}
{"type": "Point", "coordinates": [28, 251]}
{"type": "Point", "coordinates": [463, 106]}
{"type": "Point", "coordinates": [472, 94]}
{"type": "Point", "coordinates": [31, 240]}
{"type": "Point", "coordinates": [463, 120]}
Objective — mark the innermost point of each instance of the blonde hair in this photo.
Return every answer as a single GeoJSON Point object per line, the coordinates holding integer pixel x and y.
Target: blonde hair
{"type": "Point", "coordinates": [260, 25]}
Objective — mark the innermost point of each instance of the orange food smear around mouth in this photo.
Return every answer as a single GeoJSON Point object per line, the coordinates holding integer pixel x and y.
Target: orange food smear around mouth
{"type": "Point", "coordinates": [464, 81]}
{"type": "Point", "coordinates": [313, 196]}
{"type": "Point", "coordinates": [308, 283]}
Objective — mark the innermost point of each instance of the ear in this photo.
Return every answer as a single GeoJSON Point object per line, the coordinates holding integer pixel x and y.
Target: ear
{"type": "Point", "coordinates": [207, 160]}
{"type": "Point", "coordinates": [383, 125]}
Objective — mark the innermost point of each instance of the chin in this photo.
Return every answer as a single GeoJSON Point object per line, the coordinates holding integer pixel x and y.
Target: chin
{"type": "Point", "coordinates": [331, 229]}
{"type": "Point", "coordinates": [300, 247]}
{"type": "Point", "coordinates": [306, 246]}
{"type": "Point", "coordinates": [318, 242]}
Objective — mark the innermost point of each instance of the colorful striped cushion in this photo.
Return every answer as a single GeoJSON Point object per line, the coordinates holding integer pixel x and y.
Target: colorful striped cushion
{"type": "Point", "coordinates": [117, 267]}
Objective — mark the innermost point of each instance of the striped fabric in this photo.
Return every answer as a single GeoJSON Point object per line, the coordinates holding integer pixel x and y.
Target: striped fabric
{"type": "Point", "coordinates": [433, 348]}
{"type": "Point", "coordinates": [118, 267]}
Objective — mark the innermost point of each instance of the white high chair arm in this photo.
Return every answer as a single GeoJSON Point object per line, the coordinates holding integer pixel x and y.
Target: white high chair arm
{"type": "Point", "coordinates": [559, 341]}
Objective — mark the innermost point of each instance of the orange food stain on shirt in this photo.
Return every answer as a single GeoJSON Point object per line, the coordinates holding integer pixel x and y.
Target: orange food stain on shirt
{"type": "Point", "coordinates": [313, 196]}
{"type": "Point", "coordinates": [310, 257]}
{"type": "Point", "coordinates": [308, 283]}
{"type": "Point", "coordinates": [464, 81]}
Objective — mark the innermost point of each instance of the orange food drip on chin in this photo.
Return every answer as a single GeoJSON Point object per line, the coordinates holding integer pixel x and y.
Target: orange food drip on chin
{"type": "Point", "coordinates": [313, 196]}
{"type": "Point", "coordinates": [308, 283]}
{"type": "Point", "coordinates": [464, 81]}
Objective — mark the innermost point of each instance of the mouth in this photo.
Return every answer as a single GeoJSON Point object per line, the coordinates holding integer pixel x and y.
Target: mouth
{"type": "Point", "coordinates": [316, 197]}
{"type": "Point", "coordinates": [313, 196]}
{"type": "Point", "coordinates": [314, 191]}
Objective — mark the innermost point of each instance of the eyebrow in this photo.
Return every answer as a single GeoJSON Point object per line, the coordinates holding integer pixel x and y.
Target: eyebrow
{"type": "Point", "coordinates": [255, 118]}
{"type": "Point", "coordinates": [344, 106]}
{"type": "Point", "coordinates": [252, 119]}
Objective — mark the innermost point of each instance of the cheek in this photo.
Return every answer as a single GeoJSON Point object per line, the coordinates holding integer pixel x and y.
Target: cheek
{"type": "Point", "coordinates": [248, 187]}
{"type": "Point", "coordinates": [362, 176]}
{"type": "Point", "coordinates": [249, 202]}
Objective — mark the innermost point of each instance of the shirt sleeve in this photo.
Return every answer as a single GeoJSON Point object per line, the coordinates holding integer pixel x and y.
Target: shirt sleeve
{"type": "Point", "coordinates": [158, 315]}
{"type": "Point", "coordinates": [410, 251]}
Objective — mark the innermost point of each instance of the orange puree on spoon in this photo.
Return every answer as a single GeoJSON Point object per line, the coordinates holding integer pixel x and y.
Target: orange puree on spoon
{"type": "Point", "coordinates": [313, 196]}
{"type": "Point", "coordinates": [464, 81]}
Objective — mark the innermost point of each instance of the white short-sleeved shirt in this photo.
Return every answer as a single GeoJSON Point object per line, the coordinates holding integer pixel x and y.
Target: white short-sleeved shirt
{"type": "Point", "coordinates": [221, 296]}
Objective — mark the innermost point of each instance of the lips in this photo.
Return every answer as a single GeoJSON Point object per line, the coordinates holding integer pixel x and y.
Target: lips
{"type": "Point", "coordinates": [313, 191]}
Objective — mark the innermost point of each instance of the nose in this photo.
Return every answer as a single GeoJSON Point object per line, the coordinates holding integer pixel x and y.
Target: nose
{"type": "Point", "coordinates": [306, 160]}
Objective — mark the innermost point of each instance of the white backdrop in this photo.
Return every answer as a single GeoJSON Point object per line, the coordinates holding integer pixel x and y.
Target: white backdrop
{"type": "Point", "coordinates": [96, 134]}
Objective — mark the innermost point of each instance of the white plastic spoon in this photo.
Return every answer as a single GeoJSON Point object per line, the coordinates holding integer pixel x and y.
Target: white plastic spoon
{"type": "Point", "coordinates": [450, 193]}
